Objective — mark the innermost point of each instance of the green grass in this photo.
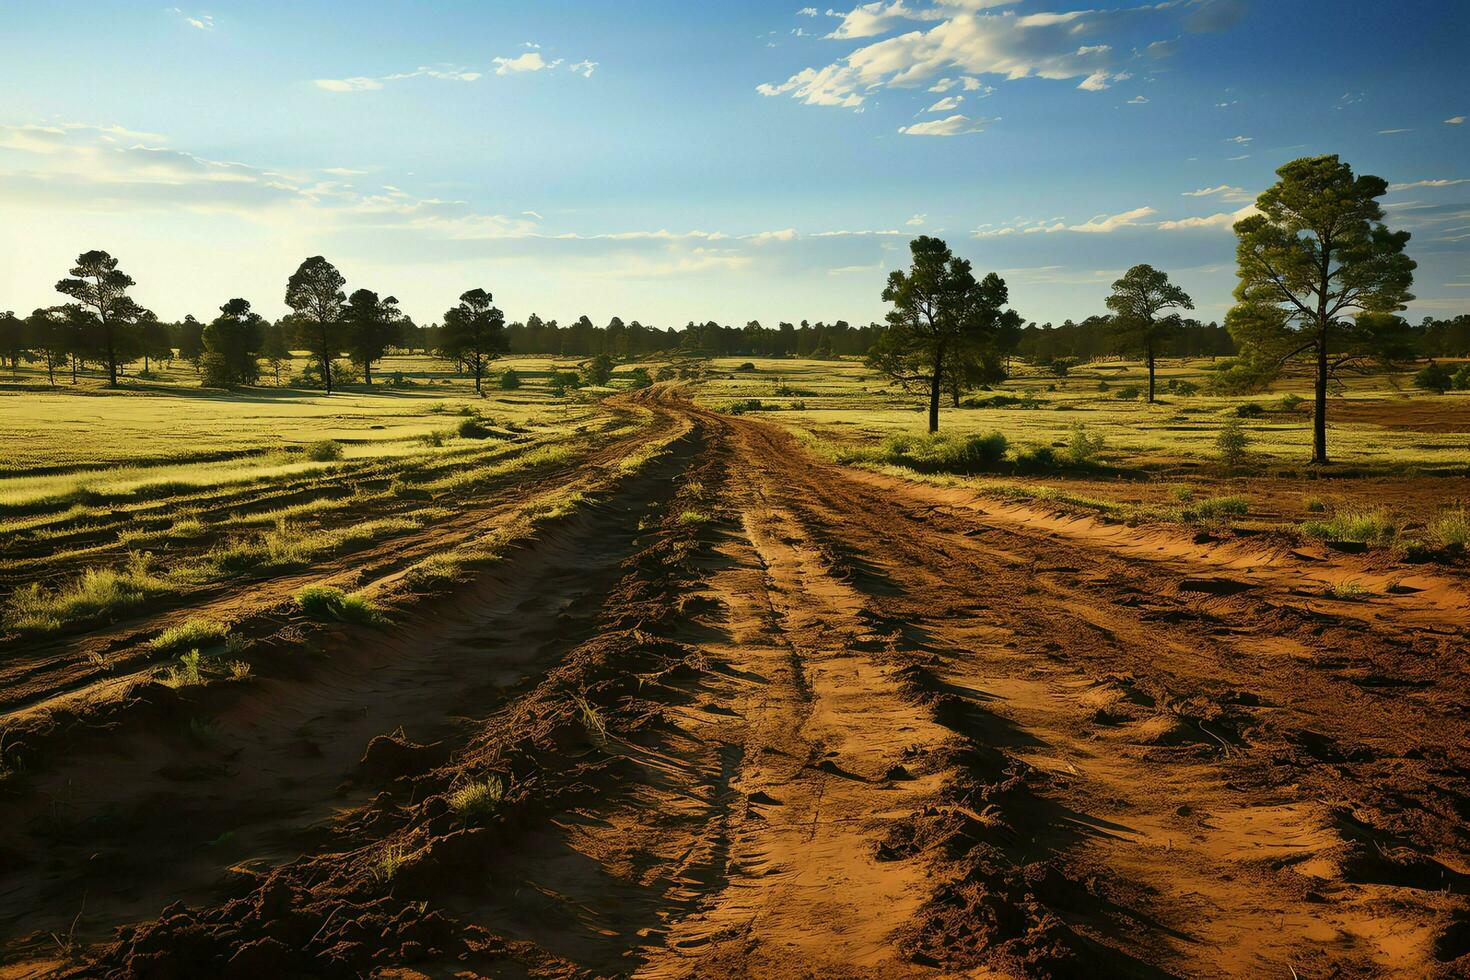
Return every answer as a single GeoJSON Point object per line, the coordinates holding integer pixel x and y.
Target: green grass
{"type": "Point", "coordinates": [326, 602]}
{"type": "Point", "coordinates": [193, 634]}
{"type": "Point", "coordinates": [1368, 526]}
{"type": "Point", "coordinates": [99, 593]}
{"type": "Point", "coordinates": [693, 517]}
{"type": "Point", "coordinates": [1451, 529]}
{"type": "Point", "coordinates": [477, 802]}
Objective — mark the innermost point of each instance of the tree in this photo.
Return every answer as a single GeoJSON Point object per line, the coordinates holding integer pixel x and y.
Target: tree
{"type": "Point", "coordinates": [1137, 301]}
{"type": "Point", "coordinates": [14, 339]}
{"type": "Point", "coordinates": [153, 341]}
{"type": "Point", "coordinates": [1320, 277]}
{"type": "Point", "coordinates": [101, 289]}
{"type": "Point", "coordinates": [597, 371]}
{"type": "Point", "coordinates": [52, 332]}
{"type": "Point", "coordinates": [276, 350]}
{"type": "Point", "coordinates": [191, 341]}
{"type": "Point", "coordinates": [942, 321]}
{"type": "Point", "coordinates": [314, 291]}
{"type": "Point", "coordinates": [473, 332]}
{"type": "Point", "coordinates": [232, 342]}
{"type": "Point", "coordinates": [372, 325]}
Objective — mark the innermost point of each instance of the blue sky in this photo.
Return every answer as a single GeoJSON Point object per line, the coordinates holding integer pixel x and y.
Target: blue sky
{"type": "Point", "coordinates": [673, 161]}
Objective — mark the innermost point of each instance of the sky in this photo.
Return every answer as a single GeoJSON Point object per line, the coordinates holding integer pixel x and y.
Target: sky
{"type": "Point", "coordinates": [672, 161]}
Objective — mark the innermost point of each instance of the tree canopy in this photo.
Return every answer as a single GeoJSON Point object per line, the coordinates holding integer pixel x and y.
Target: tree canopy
{"type": "Point", "coordinates": [1137, 300]}
{"type": "Point", "coordinates": [1320, 278]}
{"type": "Point", "coordinates": [474, 332]}
{"type": "Point", "coordinates": [314, 291]}
{"type": "Point", "coordinates": [943, 322]}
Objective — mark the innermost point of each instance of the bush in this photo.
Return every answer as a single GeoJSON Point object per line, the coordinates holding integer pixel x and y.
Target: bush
{"type": "Point", "coordinates": [324, 602]}
{"type": "Point", "coordinates": [1462, 378]}
{"type": "Point", "coordinates": [1435, 377]}
{"type": "Point", "coordinates": [747, 366]}
{"type": "Point", "coordinates": [472, 429]}
{"type": "Point", "coordinates": [1250, 410]}
{"type": "Point", "coordinates": [324, 451]}
{"type": "Point", "coordinates": [638, 378]}
{"type": "Point", "coordinates": [1062, 365]}
{"type": "Point", "coordinates": [1360, 525]}
{"type": "Point", "coordinates": [509, 380]}
{"type": "Point", "coordinates": [1082, 448]}
{"type": "Point", "coordinates": [1036, 459]}
{"type": "Point", "coordinates": [1232, 443]}
{"type": "Point", "coordinates": [1178, 386]}
{"type": "Point", "coordinates": [946, 453]}
{"type": "Point", "coordinates": [1127, 393]}
{"type": "Point", "coordinates": [1290, 401]}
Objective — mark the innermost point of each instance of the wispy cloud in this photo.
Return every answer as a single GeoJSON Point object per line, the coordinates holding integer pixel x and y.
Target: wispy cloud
{"type": "Point", "coordinates": [1226, 192]}
{"type": "Point", "coordinates": [1455, 121]}
{"type": "Point", "coordinates": [1433, 182]}
{"type": "Point", "coordinates": [200, 22]}
{"type": "Point", "coordinates": [955, 125]}
{"type": "Point", "coordinates": [530, 60]}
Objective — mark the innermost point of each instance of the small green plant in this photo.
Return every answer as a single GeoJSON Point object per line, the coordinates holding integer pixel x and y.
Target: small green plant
{"type": "Point", "coordinates": [1127, 393]}
{"type": "Point", "coordinates": [1232, 443]}
{"type": "Point", "coordinates": [187, 673]}
{"type": "Point", "coordinates": [1314, 505]}
{"type": "Point", "coordinates": [693, 517]}
{"type": "Point", "coordinates": [239, 670]}
{"type": "Point", "coordinates": [477, 802]}
{"type": "Point", "coordinates": [1373, 526]}
{"type": "Point", "coordinates": [1083, 449]}
{"type": "Point", "coordinates": [324, 451]}
{"type": "Point", "coordinates": [325, 602]}
{"type": "Point", "coordinates": [197, 634]}
{"type": "Point", "coordinates": [1290, 401]}
{"type": "Point", "coordinates": [592, 720]}
{"type": "Point", "coordinates": [433, 439]}
{"type": "Point", "coordinates": [385, 866]}
{"type": "Point", "coordinates": [510, 380]}
{"type": "Point", "coordinates": [1183, 494]}
{"type": "Point", "coordinates": [1216, 507]}
{"type": "Point", "coordinates": [1451, 529]}
{"type": "Point", "coordinates": [1347, 590]}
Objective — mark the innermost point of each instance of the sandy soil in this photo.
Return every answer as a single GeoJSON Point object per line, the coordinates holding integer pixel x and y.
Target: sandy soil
{"type": "Point", "coordinates": [759, 715]}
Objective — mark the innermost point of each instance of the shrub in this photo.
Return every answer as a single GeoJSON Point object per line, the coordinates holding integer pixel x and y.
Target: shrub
{"type": "Point", "coordinates": [1314, 505]}
{"type": "Point", "coordinates": [1183, 494]}
{"type": "Point", "coordinates": [638, 378]}
{"type": "Point", "coordinates": [98, 593]}
{"type": "Point", "coordinates": [1061, 365]}
{"type": "Point", "coordinates": [195, 634]}
{"type": "Point", "coordinates": [1232, 443]}
{"type": "Point", "coordinates": [1290, 401]}
{"type": "Point", "coordinates": [1435, 377]}
{"type": "Point", "coordinates": [1127, 393]}
{"type": "Point", "coordinates": [1036, 459]}
{"type": "Point", "coordinates": [324, 451]}
{"type": "Point", "coordinates": [747, 366]}
{"type": "Point", "coordinates": [693, 517]}
{"type": "Point", "coordinates": [1213, 507]}
{"type": "Point", "coordinates": [1250, 410]}
{"type": "Point", "coordinates": [946, 453]}
{"type": "Point", "coordinates": [472, 428]}
{"type": "Point", "coordinates": [1360, 525]}
{"type": "Point", "coordinates": [1462, 378]}
{"type": "Point", "coordinates": [509, 380]}
{"type": "Point", "coordinates": [477, 802]}
{"type": "Point", "coordinates": [324, 602]}
{"type": "Point", "coordinates": [1082, 448]}
{"type": "Point", "coordinates": [1178, 386]}
{"type": "Point", "coordinates": [1451, 529]}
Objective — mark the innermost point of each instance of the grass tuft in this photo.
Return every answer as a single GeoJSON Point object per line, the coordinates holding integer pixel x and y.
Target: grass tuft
{"type": "Point", "coordinates": [477, 802]}
{"type": "Point", "coordinates": [1372, 526]}
{"type": "Point", "coordinates": [195, 634]}
{"type": "Point", "coordinates": [325, 602]}
{"type": "Point", "coordinates": [97, 594]}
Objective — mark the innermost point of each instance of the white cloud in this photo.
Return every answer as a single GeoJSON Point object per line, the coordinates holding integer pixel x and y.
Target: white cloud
{"type": "Point", "coordinates": [355, 84]}
{"type": "Point", "coordinates": [848, 270]}
{"type": "Point", "coordinates": [584, 68]}
{"type": "Point", "coordinates": [1436, 182]}
{"type": "Point", "coordinates": [200, 22]}
{"type": "Point", "coordinates": [528, 61]}
{"type": "Point", "coordinates": [955, 125]}
{"type": "Point", "coordinates": [807, 12]}
{"type": "Point", "coordinates": [1226, 192]}
{"type": "Point", "coordinates": [1137, 100]}
{"type": "Point", "coordinates": [946, 104]}
{"type": "Point", "coordinates": [917, 220]}
{"type": "Point", "coordinates": [1103, 224]}
{"type": "Point", "coordinates": [1058, 46]}
{"type": "Point", "coordinates": [1390, 132]}
{"type": "Point", "coordinates": [1454, 121]}
{"type": "Point", "coordinates": [1242, 140]}
{"type": "Point", "coordinates": [1221, 220]}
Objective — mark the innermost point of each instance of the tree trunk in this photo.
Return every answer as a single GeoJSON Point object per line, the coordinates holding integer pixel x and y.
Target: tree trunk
{"type": "Point", "coordinates": [367, 372]}
{"type": "Point", "coordinates": [1319, 415]}
{"type": "Point", "coordinates": [1149, 357]}
{"type": "Point", "coordinates": [479, 367]}
{"type": "Point", "coordinates": [111, 358]}
{"type": "Point", "coordinates": [326, 361]}
{"type": "Point", "coordinates": [934, 404]}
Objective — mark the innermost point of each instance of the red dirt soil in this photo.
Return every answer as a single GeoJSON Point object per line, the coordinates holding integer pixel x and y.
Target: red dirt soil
{"type": "Point", "coordinates": [760, 715]}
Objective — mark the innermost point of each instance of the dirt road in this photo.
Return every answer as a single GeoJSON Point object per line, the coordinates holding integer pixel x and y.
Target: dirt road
{"type": "Point", "coordinates": [758, 715]}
